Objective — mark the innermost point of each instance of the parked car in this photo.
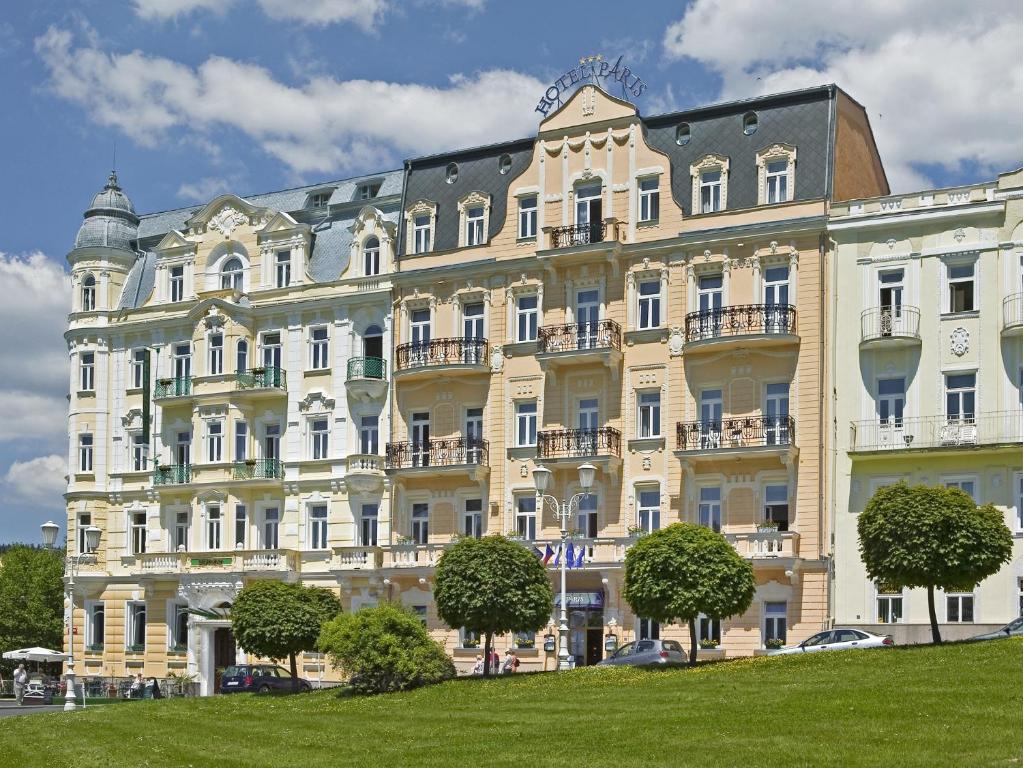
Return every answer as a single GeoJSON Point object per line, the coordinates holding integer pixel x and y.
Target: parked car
{"type": "Point", "coordinates": [259, 678]}
{"type": "Point", "coordinates": [837, 639]}
{"type": "Point", "coordinates": [646, 653]}
{"type": "Point", "coordinates": [1012, 629]}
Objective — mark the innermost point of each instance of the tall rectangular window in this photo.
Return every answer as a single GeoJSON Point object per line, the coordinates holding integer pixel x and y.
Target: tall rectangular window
{"type": "Point", "coordinates": [85, 452]}
{"type": "Point", "coordinates": [214, 441]}
{"type": "Point", "coordinates": [181, 532]}
{"type": "Point", "coordinates": [891, 401]}
{"type": "Point", "coordinates": [368, 517]}
{"type": "Point", "coordinates": [708, 629]}
{"type": "Point", "coordinates": [138, 360]}
{"type": "Point", "coordinates": [527, 217]}
{"type": "Point", "coordinates": [84, 521]}
{"type": "Point", "coordinates": [271, 527]}
{"type": "Point", "coordinates": [961, 281]}
{"type": "Point", "coordinates": [776, 505]}
{"type": "Point", "coordinates": [777, 180]}
{"type": "Point", "coordinates": [95, 630]}
{"type": "Point", "coordinates": [960, 396]}
{"type": "Point", "coordinates": [241, 526]}
{"type": "Point", "coordinates": [710, 508]}
{"type": "Point", "coordinates": [179, 627]}
{"type": "Point", "coordinates": [649, 416]}
{"type": "Point", "coordinates": [959, 608]}
{"type": "Point", "coordinates": [136, 630]}
{"type": "Point", "coordinates": [648, 517]}
{"type": "Point", "coordinates": [421, 234]}
{"type": "Point", "coordinates": [214, 527]}
{"type": "Point", "coordinates": [421, 523]}
{"type": "Point", "coordinates": [87, 367]}
{"type": "Point", "coordinates": [526, 317]}
{"type": "Point", "coordinates": [177, 283]}
{"type": "Point", "coordinates": [318, 526]}
{"type": "Point", "coordinates": [319, 348]}
{"type": "Point", "coordinates": [648, 629]}
{"type": "Point", "coordinates": [649, 199]}
{"type": "Point", "coordinates": [320, 435]}
{"type": "Point", "coordinates": [369, 435]}
{"type": "Point", "coordinates": [216, 353]}
{"type": "Point", "coordinates": [889, 605]}
{"type": "Point", "coordinates": [775, 621]}
{"type": "Point", "coordinates": [525, 423]}
{"type": "Point", "coordinates": [710, 191]}
{"type": "Point", "coordinates": [139, 453]}
{"type": "Point", "coordinates": [241, 441]}
{"type": "Point", "coordinates": [586, 517]}
{"type": "Point", "coordinates": [282, 262]}
{"type": "Point", "coordinates": [472, 518]}
{"type": "Point", "coordinates": [525, 517]}
{"type": "Point", "coordinates": [474, 226]}
{"type": "Point", "coordinates": [138, 533]}
{"type": "Point", "coordinates": [649, 292]}
{"type": "Point", "coordinates": [271, 350]}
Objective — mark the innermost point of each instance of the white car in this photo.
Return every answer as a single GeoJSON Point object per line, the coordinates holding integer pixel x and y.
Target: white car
{"type": "Point", "coordinates": [838, 640]}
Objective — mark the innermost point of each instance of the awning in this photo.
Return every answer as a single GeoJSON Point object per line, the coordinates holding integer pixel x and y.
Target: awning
{"type": "Point", "coordinates": [35, 654]}
{"type": "Point", "coordinates": [589, 600]}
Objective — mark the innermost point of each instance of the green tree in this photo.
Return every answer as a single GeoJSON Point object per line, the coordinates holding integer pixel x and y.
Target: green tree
{"type": "Point", "coordinates": [924, 536]}
{"type": "Point", "coordinates": [681, 571]}
{"type": "Point", "coordinates": [278, 620]}
{"type": "Point", "coordinates": [31, 599]}
{"type": "Point", "coordinates": [492, 586]}
{"type": "Point", "coordinates": [384, 648]}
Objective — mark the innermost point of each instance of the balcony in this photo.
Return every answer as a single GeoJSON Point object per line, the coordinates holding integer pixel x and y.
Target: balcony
{"type": "Point", "coordinates": [258, 469]}
{"type": "Point", "coordinates": [172, 474]}
{"type": "Point", "coordinates": [580, 343]}
{"type": "Point", "coordinates": [583, 234]}
{"type": "Point", "coordinates": [413, 555]}
{"type": "Point", "coordinates": [236, 561]}
{"type": "Point", "coordinates": [994, 430]}
{"type": "Point", "coordinates": [1012, 315]}
{"type": "Point", "coordinates": [571, 447]}
{"type": "Point", "coordinates": [172, 388]}
{"type": "Point", "coordinates": [356, 558]}
{"type": "Point", "coordinates": [890, 326]}
{"type": "Point", "coordinates": [266, 380]}
{"type": "Point", "coordinates": [457, 355]}
{"type": "Point", "coordinates": [765, 544]}
{"type": "Point", "coordinates": [452, 456]}
{"type": "Point", "coordinates": [745, 436]}
{"type": "Point", "coordinates": [367, 377]}
{"type": "Point", "coordinates": [364, 472]}
{"type": "Point", "coordinates": [602, 552]}
{"type": "Point", "coordinates": [761, 325]}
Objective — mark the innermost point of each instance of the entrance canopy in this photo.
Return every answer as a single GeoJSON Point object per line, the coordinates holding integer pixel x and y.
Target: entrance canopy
{"type": "Point", "coordinates": [35, 654]}
{"type": "Point", "coordinates": [588, 600]}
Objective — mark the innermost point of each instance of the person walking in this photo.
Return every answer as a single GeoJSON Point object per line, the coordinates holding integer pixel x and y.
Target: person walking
{"type": "Point", "coordinates": [508, 667]}
{"type": "Point", "coordinates": [20, 681]}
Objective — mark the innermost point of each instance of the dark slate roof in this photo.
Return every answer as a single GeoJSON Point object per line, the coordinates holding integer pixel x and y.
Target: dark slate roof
{"type": "Point", "coordinates": [110, 222]}
{"type": "Point", "coordinates": [140, 281]}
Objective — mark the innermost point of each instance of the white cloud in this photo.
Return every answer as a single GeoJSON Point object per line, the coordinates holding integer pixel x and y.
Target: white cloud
{"type": "Point", "coordinates": [324, 125]}
{"type": "Point", "coordinates": [31, 417]}
{"type": "Point", "coordinates": [203, 190]}
{"type": "Point", "coordinates": [942, 80]}
{"type": "Point", "coordinates": [37, 481]}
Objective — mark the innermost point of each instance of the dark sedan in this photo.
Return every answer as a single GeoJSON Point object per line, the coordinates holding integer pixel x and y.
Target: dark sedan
{"type": "Point", "coordinates": [1012, 629]}
{"type": "Point", "coordinates": [260, 678]}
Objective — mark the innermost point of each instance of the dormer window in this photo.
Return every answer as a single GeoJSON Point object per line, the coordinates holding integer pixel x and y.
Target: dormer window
{"type": "Point", "coordinates": [420, 218]}
{"type": "Point", "coordinates": [367, 191]}
{"type": "Point", "coordinates": [371, 257]}
{"type": "Point", "coordinates": [231, 274]}
{"type": "Point", "coordinates": [177, 283]}
{"type": "Point", "coordinates": [474, 225]}
{"type": "Point", "coordinates": [710, 184]}
{"type": "Point", "coordinates": [710, 191]}
{"type": "Point", "coordinates": [421, 234]}
{"type": "Point", "coordinates": [776, 169]}
{"type": "Point", "coordinates": [283, 264]}
{"type": "Point", "coordinates": [319, 199]}
{"type": "Point", "coordinates": [750, 123]}
{"type": "Point", "coordinates": [451, 173]}
{"type": "Point", "coordinates": [88, 293]}
{"type": "Point", "coordinates": [474, 214]}
{"type": "Point", "coordinates": [777, 178]}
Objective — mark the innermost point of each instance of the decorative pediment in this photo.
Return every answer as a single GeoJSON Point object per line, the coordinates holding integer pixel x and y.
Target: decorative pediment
{"type": "Point", "coordinates": [371, 221]}
{"type": "Point", "coordinates": [589, 104]}
{"type": "Point", "coordinates": [776, 152]}
{"type": "Point", "coordinates": [474, 198]}
{"type": "Point", "coordinates": [132, 420]}
{"type": "Point", "coordinates": [711, 162]}
{"type": "Point", "coordinates": [217, 311]}
{"type": "Point", "coordinates": [280, 222]}
{"type": "Point", "coordinates": [419, 207]}
{"type": "Point", "coordinates": [316, 401]}
{"type": "Point", "coordinates": [173, 239]}
{"type": "Point", "coordinates": [227, 213]}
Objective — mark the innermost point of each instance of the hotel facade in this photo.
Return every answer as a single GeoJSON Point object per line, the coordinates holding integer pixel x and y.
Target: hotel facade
{"type": "Point", "coordinates": [346, 378]}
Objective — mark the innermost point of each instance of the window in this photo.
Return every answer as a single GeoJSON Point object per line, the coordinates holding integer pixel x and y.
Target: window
{"type": "Point", "coordinates": [474, 225]}
{"type": "Point", "coordinates": [891, 401]}
{"type": "Point", "coordinates": [526, 317]}
{"type": "Point", "coordinates": [959, 608]}
{"type": "Point", "coordinates": [525, 517]}
{"type": "Point", "coordinates": [87, 366]}
{"type": "Point", "coordinates": [283, 263]}
{"type": "Point", "coordinates": [524, 639]}
{"type": "Point", "coordinates": [683, 134]}
{"type": "Point", "coordinates": [271, 527]}
{"type": "Point", "coordinates": [242, 356]}
{"type": "Point", "coordinates": [586, 518]}
{"type": "Point", "coordinates": [527, 217]}
{"type": "Point", "coordinates": [776, 178]}
{"type": "Point", "coordinates": [648, 629]}
{"type": "Point", "coordinates": [181, 532]}
{"type": "Point", "coordinates": [710, 508]}
{"type": "Point", "coordinates": [214, 441]}
{"type": "Point", "coordinates": [964, 484]}
{"type": "Point", "coordinates": [241, 440]}
{"type": "Point", "coordinates": [525, 423]}
{"type": "Point", "coordinates": [472, 518]}
{"type": "Point", "coordinates": [138, 533]}
{"type": "Point", "coordinates": [776, 413]}
{"type": "Point", "coordinates": [138, 367]}
{"type": "Point", "coordinates": [649, 303]}
{"type": "Point", "coordinates": [139, 453]}
{"type": "Point", "coordinates": [84, 521]}
{"type": "Point", "coordinates": [961, 287]}
{"type": "Point", "coordinates": [504, 164]}
{"type": "Point", "coordinates": [775, 624]}
{"type": "Point", "coordinates": [241, 525]}
{"type": "Point", "coordinates": [588, 207]}
{"type": "Point", "coordinates": [421, 523]}
{"type": "Point", "coordinates": [182, 364]}
{"type": "Point", "coordinates": [319, 348]}
{"type": "Point", "coordinates": [319, 199]}
{"type": "Point", "coordinates": [216, 353]}
{"type": "Point", "coordinates": [649, 417]}
{"type": "Point", "coordinates": [708, 629]}
{"type": "Point", "coordinates": [369, 435]}
{"type": "Point", "coordinates": [367, 191]}
{"type": "Point", "coordinates": [421, 234]}
{"type": "Point", "coordinates": [469, 638]}
{"type": "Point", "coordinates": [472, 326]}
{"type": "Point", "coordinates": [178, 639]}
{"type": "Point", "coordinates": [318, 526]}
{"type": "Point", "coordinates": [85, 452]}
{"type": "Point", "coordinates": [960, 396]}
{"type": "Point", "coordinates": [272, 441]}
{"type": "Point", "coordinates": [368, 525]}
{"type": "Point", "coordinates": [88, 293]}
{"type": "Point", "coordinates": [649, 199]}
{"type": "Point", "coordinates": [750, 123]}
{"type": "Point", "coordinates": [421, 613]}
{"type": "Point", "coordinates": [183, 448]}
{"type": "Point", "coordinates": [95, 627]}
{"type": "Point", "coordinates": [889, 605]}
{"type": "Point", "coordinates": [136, 634]}
{"type": "Point", "coordinates": [776, 506]}
{"type": "Point", "coordinates": [648, 517]}
{"type": "Point", "coordinates": [371, 257]}
{"type": "Point", "coordinates": [214, 527]}
{"type": "Point", "coordinates": [710, 191]}
{"type": "Point", "coordinates": [320, 434]}
{"type": "Point", "coordinates": [231, 274]}
{"type": "Point", "coordinates": [451, 173]}
{"type": "Point", "coordinates": [177, 283]}
{"type": "Point", "coordinates": [271, 350]}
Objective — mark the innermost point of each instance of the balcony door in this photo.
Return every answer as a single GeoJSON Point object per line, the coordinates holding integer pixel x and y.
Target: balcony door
{"type": "Point", "coordinates": [420, 439]}
{"type": "Point", "coordinates": [589, 423]}
{"type": "Point", "coordinates": [272, 350]}
{"type": "Point", "coordinates": [711, 414]}
{"type": "Point", "coordinates": [890, 285]}
{"type": "Point", "coordinates": [587, 317]}
{"type": "Point", "coordinates": [474, 435]}
{"type": "Point", "coordinates": [472, 330]}
{"type": "Point", "coordinates": [776, 505]}
{"type": "Point", "coordinates": [272, 442]}
{"type": "Point", "coordinates": [183, 449]}
{"type": "Point", "coordinates": [419, 332]}
{"type": "Point", "coordinates": [776, 299]}
{"type": "Point", "coordinates": [588, 213]}
{"type": "Point", "coordinates": [776, 413]}
{"type": "Point", "coordinates": [373, 343]}
{"type": "Point", "coordinates": [182, 362]}
{"type": "Point", "coordinates": [710, 297]}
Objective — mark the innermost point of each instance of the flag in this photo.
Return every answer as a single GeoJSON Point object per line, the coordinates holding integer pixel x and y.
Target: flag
{"type": "Point", "coordinates": [537, 552]}
{"type": "Point", "coordinates": [570, 556]}
{"type": "Point", "coordinates": [548, 554]}
{"type": "Point", "coordinates": [557, 555]}
{"type": "Point", "coordinates": [579, 558]}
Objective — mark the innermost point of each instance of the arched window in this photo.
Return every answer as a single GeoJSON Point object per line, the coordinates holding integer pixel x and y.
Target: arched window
{"type": "Point", "coordinates": [232, 273]}
{"type": "Point", "coordinates": [242, 362]}
{"type": "Point", "coordinates": [373, 342]}
{"type": "Point", "coordinates": [371, 257]}
{"type": "Point", "coordinates": [88, 293]}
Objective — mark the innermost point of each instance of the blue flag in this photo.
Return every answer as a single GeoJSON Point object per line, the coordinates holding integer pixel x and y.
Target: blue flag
{"type": "Point", "coordinates": [548, 554]}
{"type": "Point", "coordinates": [570, 555]}
{"type": "Point", "coordinates": [557, 555]}
{"type": "Point", "coordinates": [579, 558]}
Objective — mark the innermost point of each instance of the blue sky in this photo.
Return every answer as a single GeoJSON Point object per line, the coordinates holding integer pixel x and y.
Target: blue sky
{"type": "Point", "coordinates": [205, 96]}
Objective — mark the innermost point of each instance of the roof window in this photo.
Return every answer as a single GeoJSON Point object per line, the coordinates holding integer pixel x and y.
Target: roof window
{"type": "Point", "coordinates": [750, 123]}
{"type": "Point", "coordinates": [504, 164]}
{"type": "Point", "coordinates": [683, 134]}
{"type": "Point", "coordinates": [451, 173]}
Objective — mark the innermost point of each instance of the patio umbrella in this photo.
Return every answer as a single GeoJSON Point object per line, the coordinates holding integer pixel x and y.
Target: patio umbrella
{"type": "Point", "coordinates": [35, 654]}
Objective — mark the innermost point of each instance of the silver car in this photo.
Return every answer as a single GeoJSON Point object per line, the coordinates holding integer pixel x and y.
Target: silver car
{"type": "Point", "coordinates": [1012, 629]}
{"type": "Point", "coordinates": [837, 640]}
{"type": "Point", "coordinates": [646, 653]}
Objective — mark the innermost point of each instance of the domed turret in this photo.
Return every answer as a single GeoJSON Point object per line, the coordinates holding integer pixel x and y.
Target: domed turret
{"type": "Point", "coordinates": [110, 222]}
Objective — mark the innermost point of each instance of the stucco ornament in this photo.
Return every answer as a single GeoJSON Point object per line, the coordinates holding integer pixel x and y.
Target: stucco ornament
{"type": "Point", "coordinates": [960, 341]}
{"type": "Point", "coordinates": [496, 359]}
{"type": "Point", "coordinates": [675, 341]}
{"type": "Point", "coordinates": [227, 219]}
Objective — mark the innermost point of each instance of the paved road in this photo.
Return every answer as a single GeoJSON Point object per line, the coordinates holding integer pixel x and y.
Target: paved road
{"type": "Point", "coordinates": [12, 710]}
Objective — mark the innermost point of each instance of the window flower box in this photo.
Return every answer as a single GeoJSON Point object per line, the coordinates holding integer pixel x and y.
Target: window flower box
{"type": "Point", "coordinates": [774, 643]}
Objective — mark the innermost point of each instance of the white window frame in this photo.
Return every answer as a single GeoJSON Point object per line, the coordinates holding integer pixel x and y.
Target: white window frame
{"type": "Point", "coordinates": [180, 533]}
{"type": "Point", "coordinates": [319, 348]}
{"type": "Point", "coordinates": [369, 524]}
{"type": "Point", "coordinates": [474, 217]}
{"type": "Point", "coordinates": [776, 153]}
{"type": "Point", "coordinates": [648, 515]}
{"type": "Point", "coordinates": [240, 524]}
{"type": "Point", "coordinates": [472, 519]}
{"type": "Point", "coordinates": [649, 199]}
{"type": "Point", "coordinates": [214, 529]}
{"type": "Point", "coordinates": [527, 321]}
{"type": "Point", "coordinates": [87, 371]}
{"type": "Point", "coordinates": [86, 445]}
{"type": "Point", "coordinates": [241, 440]}
{"type": "Point", "coordinates": [176, 283]}
{"type": "Point", "coordinates": [82, 521]}
{"type": "Point", "coordinates": [89, 293]}
{"type": "Point", "coordinates": [419, 525]}
{"type": "Point", "coordinates": [139, 452]}
{"type": "Point", "coordinates": [420, 224]}
{"type": "Point", "coordinates": [706, 508]}
{"type": "Point", "coordinates": [961, 599]}
{"type": "Point", "coordinates": [709, 164]}
{"type": "Point", "coordinates": [771, 619]}
{"type": "Point", "coordinates": [214, 441]}
{"type": "Point", "coordinates": [233, 279]}
{"type": "Point", "coordinates": [648, 414]}
{"type": "Point", "coordinates": [269, 523]}
{"type": "Point", "coordinates": [707, 628]}
{"type": "Point", "coordinates": [958, 481]}
{"type": "Point", "coordinates": [91, 641]}
{"type": "Point", "coordinates": [526, 423]}
{"type": "Point", "coordinates": [369, 434]}
{"type": "Point", "coordinates": [175, 611]}
{"type": "Point", "coordinates": [525, 520]}
{"type": "Point", "coordinates": [371, 257]}
{"type": "Point", "coordinates": [1018, 480]}
{"type": "Point", "coordinates": [282, 268]}
{"type": "Point", "coordinates": [651, 302]}
{"type": "Point", "coordinates": [528, 212]}
{"type": "Point", "coordinates": [137, 362]}
{"type": "Point", "coordinates": [319, 527]}
{"type": "Point", "coordinates": [215, 353]}
{"type": "Point", "coordinates": [131, 610]}
{"type": "Point", "coordinates": [319, 439]}
{"type": "Point", "coordinates": [950, 282]}
{"type": "Point", "coordinates": [890, 598]}
{"type": "Point", "coordinates": [137, 532]}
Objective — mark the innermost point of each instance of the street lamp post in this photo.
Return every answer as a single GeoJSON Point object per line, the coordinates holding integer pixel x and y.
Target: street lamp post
{"type": "Point", "coordinates": [563, 510]}
{"type": "Point", "coordinates": [72, 563]}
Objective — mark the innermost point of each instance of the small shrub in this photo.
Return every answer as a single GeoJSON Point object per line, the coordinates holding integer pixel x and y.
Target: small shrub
{"type": "Point", "coordinates": [708, 644]}
{"type": "Point", "coordinates": [384, 648]}
{"type": "Point", "coordinates": [774, 643]}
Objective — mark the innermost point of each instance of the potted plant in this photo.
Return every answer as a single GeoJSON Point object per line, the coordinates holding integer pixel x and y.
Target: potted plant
{"type": "Point", "coordinates": [635, 531]}
{"type": "Point", "coordinates": [404, 540]}
{"type": "Point", "coordinates": [774, 643]}
{"type": "Point", "coordinates": [136, 649]}
{"type": "Point", "coordinates": [709, 644]}
{"type": "Point", "coordinates": [767, 526]}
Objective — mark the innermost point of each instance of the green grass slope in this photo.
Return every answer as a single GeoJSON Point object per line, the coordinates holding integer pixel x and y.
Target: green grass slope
{"type": "Point", "coordinates": [957, 705]}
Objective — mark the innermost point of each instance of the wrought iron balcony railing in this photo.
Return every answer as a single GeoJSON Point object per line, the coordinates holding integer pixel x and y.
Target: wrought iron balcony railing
{"type": "Point", "coordinates": [460, 350]}
{"type": "Point", "coordinates": [438, 453]}
{"type": "Point", "coordinates": [257, 469]}
{"type": "Point", "coordinates": [890, 322]}
{"type": "Point", "coordinates": [178, 387]}
{"type": "Point", "coordinates": [367, 368]}
{"type": "Point", "coordinates": [172, 474]}
{"type": "Point", "coordinates": [582, 234]}
{"type": "Point", "coordinates": [568, 443]}
{"type": "Point", "coordinates": [603, 334]}
{"type": "Point", "coordinates": [742, 432]}
{"type": "Point", "coordinates": [741, 320]}
{"type": "Point", "coordinates": [266, 377]}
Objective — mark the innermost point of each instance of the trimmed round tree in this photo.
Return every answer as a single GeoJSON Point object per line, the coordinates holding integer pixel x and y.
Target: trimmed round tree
{"type": "Point", "coordinates": [679, 572]}
{"type": "Point", "coordinates": [492, 586]}
{"type": "Point", "coordinates": [278, 620]}
{"type": "Point", "coordinates": [931, 537]}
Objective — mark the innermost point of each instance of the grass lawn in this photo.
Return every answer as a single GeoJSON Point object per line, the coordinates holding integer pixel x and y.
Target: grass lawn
{"type": "Point", "coordinates": [958, 705]}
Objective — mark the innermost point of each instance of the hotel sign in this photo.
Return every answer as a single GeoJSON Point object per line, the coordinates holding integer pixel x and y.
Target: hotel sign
{"type": "Point", "coordinates": [591, 69]}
